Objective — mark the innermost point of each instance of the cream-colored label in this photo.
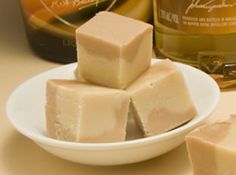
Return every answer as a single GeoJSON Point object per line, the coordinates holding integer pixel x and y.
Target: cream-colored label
{"type": "Point", "coordinates": [198, 16]}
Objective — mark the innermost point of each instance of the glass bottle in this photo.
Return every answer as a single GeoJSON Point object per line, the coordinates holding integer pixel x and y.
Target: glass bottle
{"type": "Point", "coordinates": [201, 33]}
{"type": "Point", "coordinates": [50, 24]}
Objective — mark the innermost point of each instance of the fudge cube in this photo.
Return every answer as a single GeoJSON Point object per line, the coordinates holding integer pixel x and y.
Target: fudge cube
{"type": "Point", "coordinates": [85, 113]}
{"type": "Point", "coordinates": [160, 99]}
{"type": "Point", "coordinates": [212, 148]}
{"type": "Point", "coordinates": [113, 50]}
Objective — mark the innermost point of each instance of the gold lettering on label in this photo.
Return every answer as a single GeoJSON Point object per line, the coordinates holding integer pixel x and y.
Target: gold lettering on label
{"type": "Point", "coordinates": [209, 5]}
{"type": "Point", "coordinates": [68, 43]}
{"type": "Point", "coordinates": [71, 3]}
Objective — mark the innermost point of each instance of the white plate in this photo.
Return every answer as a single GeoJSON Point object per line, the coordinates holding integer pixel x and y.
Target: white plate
{"type": "Point", "coordinates": [25, 110]}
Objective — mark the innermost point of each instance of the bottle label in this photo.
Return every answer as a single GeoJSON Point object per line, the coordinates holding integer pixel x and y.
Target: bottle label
{"type": "Point", "coordinates": [198, 16]}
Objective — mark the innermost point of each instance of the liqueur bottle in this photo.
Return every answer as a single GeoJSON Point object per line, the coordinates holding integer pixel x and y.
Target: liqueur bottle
{"type": "Point", "coordinates": [201, 33]}
{"type": "Point", "coordinates": [50, 24]}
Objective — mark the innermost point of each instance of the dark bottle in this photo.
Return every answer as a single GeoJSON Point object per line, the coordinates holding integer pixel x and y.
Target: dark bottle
{"type": "Point", "coordinates": [50, 24]}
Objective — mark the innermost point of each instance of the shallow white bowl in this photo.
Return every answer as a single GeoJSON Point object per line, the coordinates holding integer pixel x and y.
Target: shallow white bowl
{"type": "Point", "coordinates": [25, 110]}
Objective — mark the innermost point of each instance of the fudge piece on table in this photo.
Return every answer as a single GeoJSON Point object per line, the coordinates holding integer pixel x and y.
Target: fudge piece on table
{"type": "Point", "coordinates": [212, 148]}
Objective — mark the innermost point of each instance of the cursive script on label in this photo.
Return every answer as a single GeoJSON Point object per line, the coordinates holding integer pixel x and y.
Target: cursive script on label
{"type": "Point", "coordinates": [209, 5]}
{"type": "Point", "coordinates": [71, 3]}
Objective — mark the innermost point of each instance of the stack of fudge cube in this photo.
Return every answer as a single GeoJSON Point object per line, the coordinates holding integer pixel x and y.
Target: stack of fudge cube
{"type": "Point", "coordinates": [115, 78]}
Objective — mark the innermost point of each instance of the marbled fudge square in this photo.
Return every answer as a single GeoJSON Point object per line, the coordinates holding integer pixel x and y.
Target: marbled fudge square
{"type": "Point", "coordinates": [212, 148]}
{"type": "Point", "coordinates": [160, 99]}
{"type": "Point", "coordinates": [85, 113]}
{"type": "Point", "coordinates": [113, 50]}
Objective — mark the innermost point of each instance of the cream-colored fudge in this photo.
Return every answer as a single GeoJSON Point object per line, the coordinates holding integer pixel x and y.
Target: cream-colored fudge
{"type": "Point", "coordinates": [85, 113]}
{"type": "Point", "coordinates": [160, 99]}
{"type": "Point", "coordinates": [113, 50]}
{"type": "Point", "coordinates": [212, 148]}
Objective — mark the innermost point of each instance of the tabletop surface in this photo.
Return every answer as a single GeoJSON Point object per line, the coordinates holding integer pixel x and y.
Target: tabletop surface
{"type": "Point", "coordinates": [21, 156]}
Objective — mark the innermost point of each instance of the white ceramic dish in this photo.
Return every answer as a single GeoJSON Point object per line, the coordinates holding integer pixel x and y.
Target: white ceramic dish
{"type": "Point", "coordinates": [25, 110]}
